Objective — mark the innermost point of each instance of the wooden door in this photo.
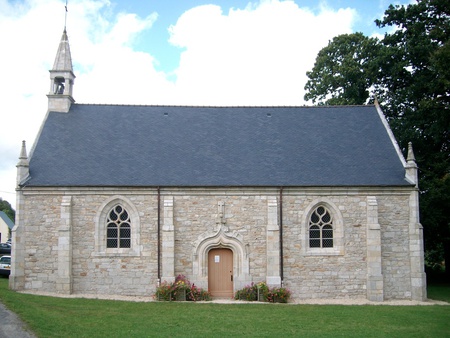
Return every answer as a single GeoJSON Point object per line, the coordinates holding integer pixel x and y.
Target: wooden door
{"type": "Point", "coordinates": [220, 273]}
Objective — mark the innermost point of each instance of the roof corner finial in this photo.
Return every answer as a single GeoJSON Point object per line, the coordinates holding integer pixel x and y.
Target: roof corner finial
{"type": "Point", "coordinates": [23, 166]}
{"type": "Point", "coordinates": [375, 101]}
{"type": "Point", "coordinates": [23, 157]}
{"type": "Point", "coordinates": [411, 166]}
{"type": "Point", "coordinates": [23, 151]}
{"type": "Point", "coordinates": [411, 157]}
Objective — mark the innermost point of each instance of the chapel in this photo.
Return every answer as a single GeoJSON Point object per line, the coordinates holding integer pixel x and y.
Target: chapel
{"type": "Point", "coordinates": [116, 199]}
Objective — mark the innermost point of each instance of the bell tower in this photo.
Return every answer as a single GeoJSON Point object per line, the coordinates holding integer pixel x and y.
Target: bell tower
{"type": "Point", "coordinates": [61, 79]}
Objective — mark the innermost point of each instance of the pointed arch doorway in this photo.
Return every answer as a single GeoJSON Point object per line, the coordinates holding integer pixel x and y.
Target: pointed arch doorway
{"type": "Point", "coordinates": [220, 273]}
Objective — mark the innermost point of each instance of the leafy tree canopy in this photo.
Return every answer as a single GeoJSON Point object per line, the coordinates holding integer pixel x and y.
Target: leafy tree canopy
{"type": "Point", "coordinates": [408, 70]}
{"type": "Point", "coordinates": [344, 71]}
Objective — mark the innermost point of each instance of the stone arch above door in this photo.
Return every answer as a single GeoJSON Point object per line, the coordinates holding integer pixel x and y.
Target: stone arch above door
{"type": "Point", "coordinates": [222, 239]}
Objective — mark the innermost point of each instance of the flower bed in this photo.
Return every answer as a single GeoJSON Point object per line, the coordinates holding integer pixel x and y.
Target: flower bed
{"type": "Point", "coordinates": [180, 290]}
{"type": "Point", "coordinates": [262, 293]}
{"type": "Point", "coordinates": [249, 293]}
{"type": "Point", "coordinates": [279, 295]}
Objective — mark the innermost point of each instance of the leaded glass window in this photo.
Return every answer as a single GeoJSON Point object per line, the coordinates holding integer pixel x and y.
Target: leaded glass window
{"type": "Point", "coordinates": [118, 228]}
{"type": "Point", "coordinates": [321, 229]}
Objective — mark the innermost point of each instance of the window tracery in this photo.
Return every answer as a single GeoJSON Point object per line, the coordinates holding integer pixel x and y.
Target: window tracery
{"type": "Point", "coordinates": [321, 228]}
{"type": "Point", "coordinates": [118, 233]}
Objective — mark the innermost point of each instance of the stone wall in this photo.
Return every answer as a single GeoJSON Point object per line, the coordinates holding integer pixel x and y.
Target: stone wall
{"type": "Point", "coordinates": [326, 276]}
{"type": "Point", "coordinates": [235, 218]}
{"type": "Point", "coordinates": [394, 218]}
{"type": "Point", "coordinates": [196, 217]}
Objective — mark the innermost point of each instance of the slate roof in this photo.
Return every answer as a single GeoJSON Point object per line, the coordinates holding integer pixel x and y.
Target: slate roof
{"type": "Point", "coordinates": [6, 219]}
{"type": "Point", "coordinates": [113, 145]}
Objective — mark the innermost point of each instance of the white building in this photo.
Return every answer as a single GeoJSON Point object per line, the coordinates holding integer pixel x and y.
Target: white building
{"type": "Point", "coordinates": [6, 225]}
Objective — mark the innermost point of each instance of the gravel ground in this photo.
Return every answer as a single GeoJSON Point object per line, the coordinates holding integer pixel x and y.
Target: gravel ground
{"type": "Point", "coordinates": [343, 301]}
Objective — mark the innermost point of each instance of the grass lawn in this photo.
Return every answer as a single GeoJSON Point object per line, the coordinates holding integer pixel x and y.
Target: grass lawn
{"type": "Point", "coordinates": [439, 291]}
{"type": "Point", "coordinates": [62, 317]}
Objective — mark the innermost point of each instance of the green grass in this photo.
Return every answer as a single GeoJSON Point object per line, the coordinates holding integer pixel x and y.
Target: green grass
{"type": "Point", "coordinates": [439, 291]}
{"type": "Point", "coordinates": [62, 317]}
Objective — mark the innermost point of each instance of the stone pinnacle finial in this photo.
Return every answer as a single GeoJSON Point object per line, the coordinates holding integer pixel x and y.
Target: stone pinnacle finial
{"type": "Point", "coordinates": [411, 166]}
{"type": "Point", "coordinates": [23, 157]}
{"type": "Point", "coordinates": [411, 157]}
{"type": "Point", "coordinates": [23, 166]}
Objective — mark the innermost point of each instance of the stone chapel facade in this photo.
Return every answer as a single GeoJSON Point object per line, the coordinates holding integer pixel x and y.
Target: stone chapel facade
{"type": "Point", "coordinates": [116, 199]}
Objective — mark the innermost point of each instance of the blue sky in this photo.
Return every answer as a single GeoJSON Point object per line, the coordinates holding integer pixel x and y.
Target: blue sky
{"type": "Point", "coordinates": [172, 52]}
{"type": "Point", "coordinates": [155, 40]}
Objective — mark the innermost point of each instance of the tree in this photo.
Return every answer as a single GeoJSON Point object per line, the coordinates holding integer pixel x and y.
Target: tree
{"type": "Point", "coordinates": [344, 71]}
{"type": "Point", "coordinates": [410, 75]}
{"type": "Point", "coordinates": [418, 101]}
{"type": "Point", "coordinates": [7, 209]}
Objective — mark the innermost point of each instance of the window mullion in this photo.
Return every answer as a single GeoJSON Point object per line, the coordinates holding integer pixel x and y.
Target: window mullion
{"type": "Point", "coordinates": [118, 228]}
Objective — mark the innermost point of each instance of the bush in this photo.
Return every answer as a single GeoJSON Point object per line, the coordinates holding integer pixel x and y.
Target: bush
{"type": "Point", "coordinates": [164, 291]}
{"type": "Point", "coordinates": [266, 294]}
{"type": "Point", "coordinates": [249, 292]}
{"type": "Point", "coordinates": [279, 295]}
{"type": "Point", "coordinates": [181, 289]}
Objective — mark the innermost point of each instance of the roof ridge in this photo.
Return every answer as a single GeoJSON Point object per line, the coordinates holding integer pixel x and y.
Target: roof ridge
{"type": "Point", "coordinates": [217, 106]}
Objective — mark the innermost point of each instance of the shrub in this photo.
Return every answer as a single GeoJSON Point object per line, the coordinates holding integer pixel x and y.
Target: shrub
{"type": "Point", "coordinates": [249, 292]}
{"type": "Point", "coordinates": [266, 294]}
{"type": "Point", "coordinates": [196, 294]}
{"type": "Point", "coordinates": [164, 291]}
{"type": "Point", "coordinates": [278, 295]}
{"type": "Point", "coordinates": [180, 287]}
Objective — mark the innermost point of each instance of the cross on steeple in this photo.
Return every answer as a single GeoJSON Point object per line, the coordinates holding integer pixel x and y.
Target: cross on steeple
{"type": "Point", "coordinates": [65, 17]}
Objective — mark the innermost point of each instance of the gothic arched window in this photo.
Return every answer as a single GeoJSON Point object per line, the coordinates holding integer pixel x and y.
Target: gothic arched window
{"type": "Point", "coordinates": [321, 228]}
{"type": "Point", "coordinates": [118, 228]}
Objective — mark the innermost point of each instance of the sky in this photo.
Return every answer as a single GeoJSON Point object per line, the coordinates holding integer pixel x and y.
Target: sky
{"type": "Point", "coordinates": [171, 52]}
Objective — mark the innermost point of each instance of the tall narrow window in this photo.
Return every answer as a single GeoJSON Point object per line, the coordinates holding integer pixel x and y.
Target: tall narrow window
{"type": "Point", "coordinates": [118, 228]}
{"type": "Point", "coordinates": [321, 229]}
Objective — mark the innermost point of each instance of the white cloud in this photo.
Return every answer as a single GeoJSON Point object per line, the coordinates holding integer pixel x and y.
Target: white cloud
{"type": "Point", "coordinates": [253, 56]}
{"type": "Point", "coordinates": [112, 72]}
{"type": "Point", "coordinates": [105, 64]}
{"type": "Point", "coordinates": [26, 54]}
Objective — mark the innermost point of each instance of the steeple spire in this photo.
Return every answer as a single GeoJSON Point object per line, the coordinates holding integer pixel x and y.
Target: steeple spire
{"type": "Point", "coordinates": [62, 78]}
{"type": "Point", "coordinates": [63, 60]}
